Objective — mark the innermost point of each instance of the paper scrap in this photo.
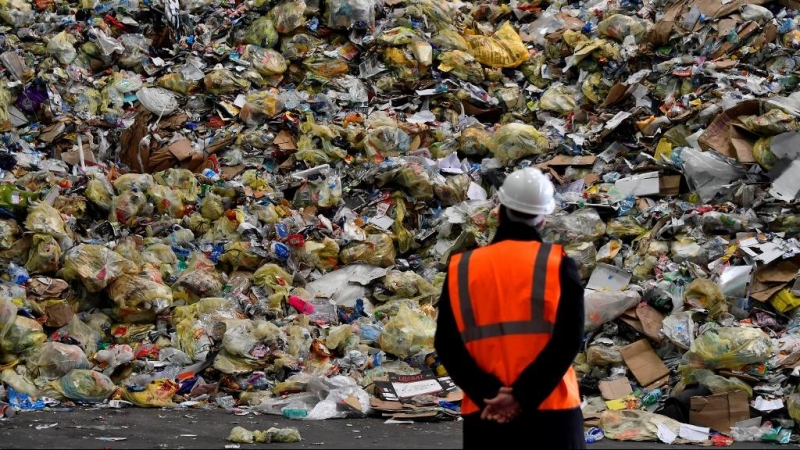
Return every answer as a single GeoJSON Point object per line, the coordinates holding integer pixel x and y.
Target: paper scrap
{"type": "Point", "coordinates": [639, 184]}
{"type": "Point", "coordinates": [694, 433]}
{"type": "Point", "coordinates": [664, 434]}
{"type": "Point", "coordinates": [476, 192]}
{"type": "Point", "coordinates": [450, 164]}
{"type": "Point", "coordinates": [762, 404]}
{"type": "Point", "coordinates": [606, 277]}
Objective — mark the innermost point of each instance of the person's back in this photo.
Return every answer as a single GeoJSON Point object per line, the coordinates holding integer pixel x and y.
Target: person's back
{"type": "Point", "coordinates": [510, 325]}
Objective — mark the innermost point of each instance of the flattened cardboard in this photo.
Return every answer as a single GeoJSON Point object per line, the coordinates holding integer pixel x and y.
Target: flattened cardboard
{"type": "Point", "coordinates": [645, 365]}
{"type": "Point", "coordinates": [717, 136]}
{"type": "Point", "coordinates": [719, 412]}
{"type": "Point", "coordinates": [651, 321]}
{"type": "Point", "coordinates": [564, 160]}
{"type": "Point", "coordinates": [614, 389]}
{"type": "Point", "coordinates": [669, 185]}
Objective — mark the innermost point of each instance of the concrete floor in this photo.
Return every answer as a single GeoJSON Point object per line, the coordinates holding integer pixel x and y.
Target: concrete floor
{"type": "Point", "coordinates": [194, 428]}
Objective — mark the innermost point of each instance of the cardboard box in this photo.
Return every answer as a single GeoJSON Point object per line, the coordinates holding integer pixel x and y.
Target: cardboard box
{"type": "Point", "coordinates": [612, 390]}
{"type": "Point", "coordinates": [719, 412]}
{"type": "Point", "coordinates": [645, 365]}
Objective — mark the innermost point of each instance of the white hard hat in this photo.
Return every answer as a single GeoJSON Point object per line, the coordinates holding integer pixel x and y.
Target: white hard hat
{"type": "Point", "coordinates": [528, 191]}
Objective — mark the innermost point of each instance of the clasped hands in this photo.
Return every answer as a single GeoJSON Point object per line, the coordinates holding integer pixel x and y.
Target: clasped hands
{"type": "Point", "coordinates": [503, 408]}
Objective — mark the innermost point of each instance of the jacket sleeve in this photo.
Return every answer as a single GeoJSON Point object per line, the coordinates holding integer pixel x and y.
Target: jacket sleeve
{"type": "Point", "coordinates": [541, 377]}
{"type": "Point", "coordinates": [462, 368]}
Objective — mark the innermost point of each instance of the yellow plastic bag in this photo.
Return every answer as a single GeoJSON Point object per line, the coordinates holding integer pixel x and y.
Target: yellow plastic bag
{"type": "Point", "coordinates": [288, 16]}
{"type": "Point", "coordinates": [131, 181]}
{"type": "Point", "coordinates": [157, 394]}
{"type": "Point", "coordinates": [532, 70]}
{"type": "Point", "coordinates": [23, 335]}
{"type": "Point", "coordinates": [704, 293]}
{"type": "Point", "coordinates": [139, 298]}
{"type": "Point", "coordinates": [516, 140]}
{"type": "Point", "coordinates": [259, 107]}
{"type": "Point", "coordinates": [181, 180]}
{"type": "Point", "coordinates": [462, 65]}
{"type": "Point", "coordinates": [503, 50]}
{"type": "Point", "coordinates": [176, 82]}
{"type": "Point", "coordinates": [762, 153]}
{"type": "Point", "coordinates": [100, 192]}
{"type": "Point", "coordinates": [321, 255]}
{"type": "Point", "coordinates": [95, 265]}
{"type": "Point", "coordinates": [397, 285]}
{"type": "Point", "coordinates": [452, 190]}
{"type": "Point", "coordinates": [45, 255]}
{"type": "Point", "coordinates": [793, 405]}
{"type": "Point", "coordinates": [404, 238]}
{"type": "Point", "coordinates": [200, 277]}
{"type": "Point", "coordinates": [473, 141]}
{"type": "Point", "coordinates": [166, 200]}
{"type": "Point", "coordinates": [559, 99]}
{"type": "Point", "coordinates": [410, 174]}
{"type": "Point", "coordinates": [448, 39]}
{"type": "Point", "coordinates": [325, 67]}
{"type": "Point", "coordinates": [261, 33]}
{"type": "Point", "coordinates": [771, 123]}
{"type": "Point", "coordinates": [728, 348]}
{"type": "Point", "coordinates": [620, 26]}
{"type": "Point", "coordinates": [265, 61]}
{"type": "Point", "coordinates": [624, 227]}
{"type": "Point", "coordinates": [407, 333]}
{"type": "Point", "coordinates": [223, 81]}
{"type": "Point", "coordinates": [241, 255]}
{"type": "Point", "coordinates": [44, 219]}
{"type": "Point", "coordinates": [62, 48]}
{"type": "Point", "coordinates": [715, 383]}
{"type": "Point", "coordinates": [377, 250]}
{"type": "Point", "coordinates": [126, 207]}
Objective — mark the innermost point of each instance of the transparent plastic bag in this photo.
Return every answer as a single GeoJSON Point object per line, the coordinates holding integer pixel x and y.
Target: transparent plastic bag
{"type": "Point", "coordinates": [715, 383]}
{"type": "Point", "coordinates": [559, 99]}
{"type": "Point", "coordinates": [793, 405]}
{"type": "Point", "coordinates": [23, 335]}
{"type": "Point", "coordinates": [461, 65]}
{"type": "Point", "coordinates": [635, 425]}
{"type": "Point", "coordinates": [397, 285]}
{"type": "Point", "coordinates": [407, 333]}
{"type": "Point", "coordinates": [624, 227]}
{"type": "Point", "coordinates": [62, 48]}
{"type": "Point", "coordinates": [619, 26]}
{"type": "Point", "coordinates": [166, 200]}
{"type": "Point", "coordinates": [288, 16]}
{"type": "Point", "coordinates": [265, 61]}
{"type": "Point", "coordinates": [86, 386]}
{"type": "Point", "coordinates": [473, 141]}
{"type": "Point", "coordinates": [347, 14]}
{"type": "Point", "coordinates": [201, 277]}
{"type": "Point", "coordinates": [321, 255]}
{"type": "Point", "coordinates": [603, 307]}
{"type": "Point", "coordinates": [603, 355]}
{"type": "Point", "coordinates": [242, 256]}
{"type": "Point", "coordinates": [452, 189]}
{"type": "Point", "coordinates": [54, 360]}
{"type": "Point", "coordinates": [44, 219]}
{"type": "Point", "coordinates": [409, 173]}
{"type": "Point", "coordinates": [133, 181]}
{"type": "Point", "coordinates": [582, 225]}
{"type": "Point", "coordinates": [262, 33]}
{"type": "Point", "coordinates": [139, 298]}
{"type": "Point", "coordinates": [100, 192]}
{"type": "Point", "coordinates": [728, 348]}
{"type": "Point", "coordinates": [223, 81]}
{"type": "Point", "coordinates": [707, 172]}
{"type": "Point", "coordinates": [94, 265]}
{"type": "Point", "coordinates": [126, 207]}
{"type": "Point", "coordinates": [260, 107]}
{"type": "Point", "coordinates": [387, 141]}
{"type": "Point", "coordinates": [44, 256]}
{"type": "Point", "coordinates": [771, 123]}
{"type": "Point", "coordinates": [516, 140]}
{"type": "Point", "coordinates": [377, 250]}
{"type": "Point", "coordinates": [679, 328]}
{"type": "Point", "coordinates": [704, 293]}
{"type": "Point", "coordinates": [585, 256]}
{"type": "Point", "coordinates": [87, 337]}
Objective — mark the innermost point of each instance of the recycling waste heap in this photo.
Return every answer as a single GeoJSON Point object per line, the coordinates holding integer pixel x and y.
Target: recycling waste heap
{"type": "Point", "coordinates": [249, 205]}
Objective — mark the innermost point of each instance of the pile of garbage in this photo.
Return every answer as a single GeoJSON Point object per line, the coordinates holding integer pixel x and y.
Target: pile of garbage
{"type": "Point", "coordinates": [251, 204]}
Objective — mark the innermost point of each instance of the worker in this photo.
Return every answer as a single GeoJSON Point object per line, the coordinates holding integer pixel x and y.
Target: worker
{"type": "Point", "coordinates": [510, 325]}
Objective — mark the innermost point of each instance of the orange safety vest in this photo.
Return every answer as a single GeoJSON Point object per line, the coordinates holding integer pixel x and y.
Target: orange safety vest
{"type": "Point", "coordinates": [504, 298]}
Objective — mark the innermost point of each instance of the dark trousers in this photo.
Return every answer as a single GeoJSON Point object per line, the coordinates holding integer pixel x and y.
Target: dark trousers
{"type": "Point", "coordinates": [545, 429]}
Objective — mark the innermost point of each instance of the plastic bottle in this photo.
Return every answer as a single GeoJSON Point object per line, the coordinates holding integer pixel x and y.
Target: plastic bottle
{"type": "Point", "coordinates": [301, 305]}
{"type": "Point", "coordinates": [593, 435]}
{"type": "Point", "coordinates": [652, 397]}
{"type": "Point", "coordinates": [290, 412]}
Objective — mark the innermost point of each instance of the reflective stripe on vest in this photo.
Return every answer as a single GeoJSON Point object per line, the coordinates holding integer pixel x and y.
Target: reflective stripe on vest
{"type": "Point", "coordinates": [503, 325]}
{"type": "Point", "coordinates": [537, 324]}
